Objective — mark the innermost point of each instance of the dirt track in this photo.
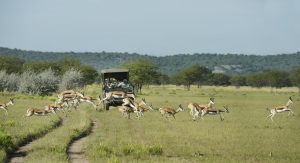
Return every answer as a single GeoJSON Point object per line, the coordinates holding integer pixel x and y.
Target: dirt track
{"type": "Point", "coordinates": [76, 151]}
{"type": "Point", "coordinates": [18, 156]}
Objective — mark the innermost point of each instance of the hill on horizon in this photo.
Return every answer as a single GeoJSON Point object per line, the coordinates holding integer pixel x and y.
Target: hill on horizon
{"type": "Point", "coordinates": [219, 63]}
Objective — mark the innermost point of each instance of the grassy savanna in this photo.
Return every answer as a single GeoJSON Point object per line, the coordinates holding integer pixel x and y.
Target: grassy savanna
{"type": "Point", "coordinates": [244, 136]}
{"type": "Point", "coordinates": [53, 146]}
{"type": "Point", "coordinates": [16, 129]}
{"type": "Point", "coordinates": [20, 129]}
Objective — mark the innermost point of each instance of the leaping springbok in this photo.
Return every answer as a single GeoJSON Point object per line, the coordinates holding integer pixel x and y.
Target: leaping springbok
{"type": "Point", "coordinates": [126, 110]}
{"type": "Point", "coordinates": [54, 108]}
{"type": "Point", "coordinates": [280, 109]}
{"type": "Point", "coordinates": [196, 109]}
{"type": "Point", "coordinates": [34, 111]}
{"type": "Point", "coordinates": [115, 94]}
{"type": "Point", "coordinates": [137, 106]}
{"type": "Point", "coordinates": [4, 106]}
{"type": "Point", "coordinates": [168, 111]}
{"type": "Point", "coordinates": [69, 94]}
{"type": "Point", "coordinates": [69, 100]}
{"type": "Point", "coordinates": [217, 111]}
{"type": "Point", "coordinates": [90, 100]}
{"type": "Point", "coordinates": [142, 110]}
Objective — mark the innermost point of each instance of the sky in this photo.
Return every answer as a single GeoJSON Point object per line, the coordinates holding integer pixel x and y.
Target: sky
{"type": "Point", "coordinates": [153, 27]}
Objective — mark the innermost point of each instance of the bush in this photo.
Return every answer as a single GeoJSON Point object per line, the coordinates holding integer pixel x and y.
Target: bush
{"type": "Point", "coordinates": [12, 82]}
{"type": "Point", "coordinates": [46, 82]}
{"type": "Point", "coordinates": [72, 79]}
{"type": "Point", "coordinates": [43, 83]}
{"type": "Point", "coordinates": [26, 82]}
{"type": "Point", "coordinates": [8, 82]}
{"type": "Point", "coordinates": [5, 141]}
{"type": "Point", "coordinates": [2, 80]}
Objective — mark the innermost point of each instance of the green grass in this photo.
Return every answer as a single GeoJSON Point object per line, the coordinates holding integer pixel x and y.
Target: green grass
{"type": "Point", "coordinates": [23, 129]}
{"type": "Point", "coordinates": [53, 146]}
{"type": "Point", "coordinates": [244, 136]}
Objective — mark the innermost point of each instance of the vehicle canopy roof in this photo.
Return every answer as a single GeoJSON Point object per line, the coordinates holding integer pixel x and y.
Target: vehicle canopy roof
{"type": "Point", "coordinates": [118, 74]}
{"type": "Point", "coordinates": [114, 70]}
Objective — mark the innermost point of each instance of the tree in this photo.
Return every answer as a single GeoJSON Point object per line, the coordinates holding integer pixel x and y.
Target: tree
{"type": "Point", "coordinates": [40, 66]}
{"type": "Point", "coordinates": [89, 74]}
{"type": "Point", "coordinates": [238, 81]}
{"type": "Point", "coordinates": [141, 72]}
{"type": "Point", "coordinates": [194, 74]}
{"type": "Point", "coordinates": [278, 79]}
{"type": "Point", "coordinates": [295, 78]}
{"type": "Point", "coordinates": [11, 64]}
{"type": "Point", "coordinates": [257, 80]}
{"type": "Point", "coordinates": [219, 79]}
{"type": "Point", "coordinates": [69, 63]}
{"type": "Point", "coordinates": [163, 79]}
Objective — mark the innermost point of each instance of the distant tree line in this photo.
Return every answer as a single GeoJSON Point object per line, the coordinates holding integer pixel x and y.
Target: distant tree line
{"type": "Point", "coordinates": [142, 72]}
{"type": "Point", "coordinates": [231, 64]}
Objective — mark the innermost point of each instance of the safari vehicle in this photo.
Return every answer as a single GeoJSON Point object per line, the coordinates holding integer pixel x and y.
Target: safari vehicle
{"type": "Point", "coordinates": [115, 87]}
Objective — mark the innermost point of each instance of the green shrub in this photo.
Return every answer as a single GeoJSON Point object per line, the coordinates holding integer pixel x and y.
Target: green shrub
{"type": "Point", "coordinates": [72, 79]}
{"type": "Point", "coordinates": [5, 141]}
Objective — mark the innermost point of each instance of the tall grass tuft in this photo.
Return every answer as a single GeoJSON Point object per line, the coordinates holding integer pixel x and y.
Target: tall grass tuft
{"type": "Point", "coordinates": [154, 150]}
{"type": "Point", "coordinates": [103, 150]}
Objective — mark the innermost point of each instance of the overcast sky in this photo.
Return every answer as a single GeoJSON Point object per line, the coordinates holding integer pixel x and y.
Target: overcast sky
{"type": "Point", "coordinates": [154, 27]}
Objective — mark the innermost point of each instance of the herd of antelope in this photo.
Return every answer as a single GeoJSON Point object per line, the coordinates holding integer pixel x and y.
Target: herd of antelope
{"type": "Point", "coordinates": [69, 98]}
{"type": "Point", "coordinates": [130, 106]}
{"type": "Point", "coordinates": [65, 100]}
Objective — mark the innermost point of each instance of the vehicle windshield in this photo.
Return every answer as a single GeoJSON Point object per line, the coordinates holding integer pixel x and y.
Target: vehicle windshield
{"type": "Point", "coordinates": [116, 79]}
{"type": "Point", "coordinates": [112, 84]}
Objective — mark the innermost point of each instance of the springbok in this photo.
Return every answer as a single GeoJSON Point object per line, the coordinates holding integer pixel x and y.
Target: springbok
{"type": "Point", "coordinates": [4, 106]}
{"type": "Point", "coordinates": [54, 108]}
{"type": "Point", "coordinates": [168, 111]}
{"type": "Point", "coordinates": [90, 100]}
{"type": "Point", "coordinates": [115, 94]}
{"type": "Point", "coordinates": [196, 109]}
{"type": "Point", "coordinates": [280, 109]}
{"type": "Point", "coordinates": [137, 106]}
{"type": "Point", "coordinates": [69, 94]}
{"type": "Point", "coordinates": [217, 111]}
{"type": "Point", "coordinates": [142, 110]}
{"type": "Point", "coordinates": [126, 110]}
{"type": "Point", "coordinates": [34, 111]}
{"type": "Point", "coordinates": [67, 101]}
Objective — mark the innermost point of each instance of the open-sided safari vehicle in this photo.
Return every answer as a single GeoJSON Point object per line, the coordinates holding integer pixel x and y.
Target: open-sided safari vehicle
{"type": "Point", "coordinates": [115, 87]}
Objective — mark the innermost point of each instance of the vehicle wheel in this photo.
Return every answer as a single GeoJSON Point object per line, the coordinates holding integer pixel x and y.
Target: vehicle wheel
{"type": "Point", "coordinates": [106, 105]}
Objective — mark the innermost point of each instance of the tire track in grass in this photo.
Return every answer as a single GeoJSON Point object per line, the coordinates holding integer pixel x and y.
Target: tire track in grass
{"type": "Point", "coordinates": [75, 150]}
{"type": "Point", "coordinates": [18, 155]}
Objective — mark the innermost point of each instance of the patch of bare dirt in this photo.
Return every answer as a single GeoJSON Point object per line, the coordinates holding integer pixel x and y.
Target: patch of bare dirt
{"type": "Point", "coordinates": [75, 151]}
{"type": "Point", "coordinates": [19, 155]}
